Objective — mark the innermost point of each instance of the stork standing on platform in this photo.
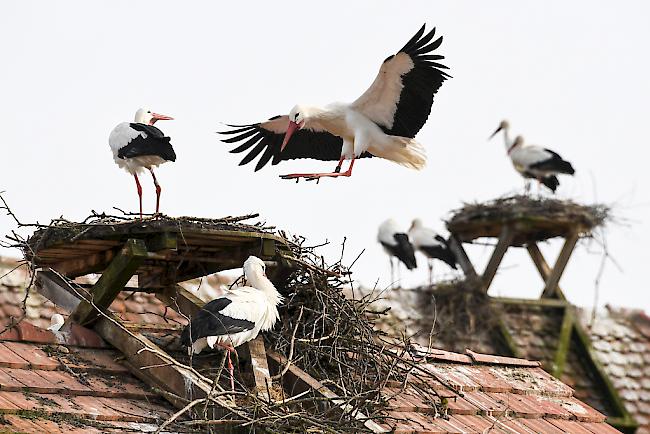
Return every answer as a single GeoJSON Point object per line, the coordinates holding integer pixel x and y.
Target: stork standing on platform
{"type": "Point", "coordinates": [432, 245]}
{"type": "Point", "coordinates": [382, 122]}
{"type": "Point", "coordinates": [396, 244]}
{"type": "Point", "coordinates": [139, 145]}
{"type": "Point", "coordinates": [236, 317]}
{"type": "Point", "coordinates": [534, 162]}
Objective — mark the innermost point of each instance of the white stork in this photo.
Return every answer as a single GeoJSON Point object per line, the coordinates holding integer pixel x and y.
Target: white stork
{"type": "Point", "coordinates": [236, 317]}
{"type": "Point", "coordinates": [534, 162]}
{"type": "Point", "coordinates": [382, 122]}
{"type": "Point", "coordinates": [139, 145]}
{"type": "Point", "coordinates": [396, 244]}
{"type": "Point", "coordinates": [432, 245]}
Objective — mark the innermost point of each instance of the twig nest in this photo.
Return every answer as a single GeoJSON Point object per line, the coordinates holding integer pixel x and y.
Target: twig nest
{"type": "Point", "coordinates": [533, 219]}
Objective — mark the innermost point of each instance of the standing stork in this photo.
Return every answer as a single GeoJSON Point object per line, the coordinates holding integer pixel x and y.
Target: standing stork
{"type": "Point", "coordinates": [396, 244]}
{"type": "Point", "coordinates": [139, 145]}
{"type": "Point", "coordinates": [534, 162]}
{"type": "Point", "coordinates": [382, 122]}
{"type": "Point", "coordinates": [236, 317]}
{"type": "Point", "coordinates": [432, 245]}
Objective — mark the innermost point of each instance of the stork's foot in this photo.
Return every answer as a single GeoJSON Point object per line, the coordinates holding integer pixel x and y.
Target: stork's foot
{"type": "Point", "coordinates": [315, 176]}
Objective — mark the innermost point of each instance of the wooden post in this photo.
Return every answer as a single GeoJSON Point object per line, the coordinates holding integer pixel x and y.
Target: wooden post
{"type": "Point", "coordinates": [461, 256]}
{"type": "Point", "coordinates": [560, 264]}
{"type": "Point", "coordinates": [112, 281]}
{"type": "Point", "coordinates": [543, 268]}
{"type": "Point", "coordinates": [564, 342]}
{"type": "Point", "coordinates": [505, 238]}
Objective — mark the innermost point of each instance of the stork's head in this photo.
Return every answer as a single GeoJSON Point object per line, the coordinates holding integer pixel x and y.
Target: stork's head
{"type": "Point", "coordinates": [504, 125]}
{"type": "Point", "coordinates": [417, 223]}
{"type": "Point", "coordinates": [147, 117]}
{"type": "Point", "coordinates": [297, 117]}
{"type": "Point", "coordinates": [519, 140]}
{"type": "Point", "coordinates": [253, 265]}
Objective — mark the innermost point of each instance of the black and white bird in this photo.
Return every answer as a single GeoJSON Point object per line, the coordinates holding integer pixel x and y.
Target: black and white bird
{"type": "Point", "coordinates": [396, 244]}
{"type": "Point", "coordinates": [432, 245]}
{"type": "Point", "coordinates": [534, 162]}
{"type": "Point", "coordinates": [381, 123]}
{"type": "Point", "coordinates": [139, 145]}
{"type": "Point", "coordinates": [236, 317]}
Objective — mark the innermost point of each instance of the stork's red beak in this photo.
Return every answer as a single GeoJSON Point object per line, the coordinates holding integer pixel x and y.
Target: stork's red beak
{"type": "Point", "coordinates": [290, 130]}
{"type": "Point", "coordinates": [160, 117]}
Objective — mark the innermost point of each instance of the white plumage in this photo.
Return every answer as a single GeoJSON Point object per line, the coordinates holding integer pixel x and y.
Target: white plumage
{"type": "Point", "coordinates": [396, 244]}
{"type": "Point", "coordinates": [382, 122]}
{"type": "Point", "coordinates": [534, 162]}
{"type": "Point", "coordinates": [432, 245]}
{"type": "Point", "coordinates": [139, 145]}
{"type": "Point", "coordinates": [236, 317]}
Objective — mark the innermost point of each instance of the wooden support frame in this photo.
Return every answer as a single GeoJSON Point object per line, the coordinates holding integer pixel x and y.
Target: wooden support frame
{"type": "Point", "coordinates": [112, 281]}
{"type": "Point", "coordinates": [562, 260]}
{"type": "Point", "coordinates": [505, 239]}
{"type": "Point", "coordinates": [564, 342]}
{"type": "Point", "coordinates": [461, 256]}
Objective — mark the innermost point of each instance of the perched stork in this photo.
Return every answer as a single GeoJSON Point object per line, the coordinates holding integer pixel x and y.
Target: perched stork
{"type": "Point", "coordinates": [432, 245]}
{"type": "Point", "coordinates": [236, 317]}
{"type": "Point", "coordinates": [382, 122]}
{"type": "Point", "coordinates": [396, 244]}
{"type": "Point", "coordinates": [139, 145]}
{"type": "Point", "coordinates": [534, 162]}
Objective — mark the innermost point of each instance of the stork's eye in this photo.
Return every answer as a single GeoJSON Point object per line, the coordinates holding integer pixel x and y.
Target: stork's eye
{"type": "Point", "coordinates": [149, 112]}
{"type": "Point", "coordinates": [296, 116]}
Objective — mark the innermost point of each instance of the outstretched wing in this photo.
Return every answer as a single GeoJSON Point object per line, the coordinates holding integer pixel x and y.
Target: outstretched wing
{"type": "Point", "coordinates": [266, 137]}
{"type": "Point", "coordinates": [400, 98]}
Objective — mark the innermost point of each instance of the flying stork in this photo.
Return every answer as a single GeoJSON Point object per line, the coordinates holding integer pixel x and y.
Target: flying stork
{"type": "Point", "coordinates": [139, 145]}
{"type": "Point", "coordinates": [396, 244]}
{"type": "Point", "coordinates": [432, 245]}
{"type": "Point", "coordinates": [382, 122]}
{"type": "Point", "coordinates": [236, 317]}
{"type": "Point", "coordinates": [534, 162]}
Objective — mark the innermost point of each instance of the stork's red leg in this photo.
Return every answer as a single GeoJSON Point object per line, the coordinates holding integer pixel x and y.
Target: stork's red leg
{"type": "Point", "coordinates": [315, 176]}
{"type": "Point", "coordinates": [137, 183]}
{"type": "Point", "coordinates": [231, 369]}
{"type": "Point", "coordinates": [158, 189]}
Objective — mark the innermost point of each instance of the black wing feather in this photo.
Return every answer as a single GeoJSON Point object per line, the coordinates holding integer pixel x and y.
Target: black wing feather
{"type": "Point", "coordinates": [318, 145]}
{"type": "Point", "coordinates": [211, 322]}
{"type": "Point", "coordinates": [403, 250]}
{"type": "Point", "coordinates": [156, 143]}
{"type": "Point", "coordinates": [421, 83]}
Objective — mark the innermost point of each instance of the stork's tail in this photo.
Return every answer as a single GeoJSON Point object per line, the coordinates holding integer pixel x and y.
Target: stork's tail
{"type": "Point", "coordinates": [404, 151]}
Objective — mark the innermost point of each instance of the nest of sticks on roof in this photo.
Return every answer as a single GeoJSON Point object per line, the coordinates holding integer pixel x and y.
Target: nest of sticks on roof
{"type": "Point", "coordinates": [533, 218]}
{"type": "Point", "coordinates": [457, 314]}
{"type": "Point", "coordinates": [103, 226]}
{"type": "Point", "coordinates": [332, 338]}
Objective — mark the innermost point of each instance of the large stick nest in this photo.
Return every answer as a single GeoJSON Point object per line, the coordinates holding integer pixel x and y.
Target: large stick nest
{"type": "Point", "coordinates": [534, 219]}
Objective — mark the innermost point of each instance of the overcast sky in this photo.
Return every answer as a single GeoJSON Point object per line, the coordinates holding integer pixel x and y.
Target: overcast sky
{"type": "Point", "coordinates": [572, 76]}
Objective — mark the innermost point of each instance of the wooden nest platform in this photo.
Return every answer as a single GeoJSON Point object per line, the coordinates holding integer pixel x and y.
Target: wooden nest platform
{"type": "Point", "coordinates": [171, 249]}
{"type": "Point", "coordinates": [533, 219]}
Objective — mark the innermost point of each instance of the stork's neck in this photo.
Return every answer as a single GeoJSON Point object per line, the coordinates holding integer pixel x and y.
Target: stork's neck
{"type": "Point", "coordinates": [508, 142]}
{"type": "Point", "coordinates": [259, 281]}
{"type": "Point", "coordinates": [316, 117]}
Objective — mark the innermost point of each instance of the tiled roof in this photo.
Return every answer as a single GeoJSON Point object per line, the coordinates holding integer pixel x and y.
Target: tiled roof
{"type": "Point", "coordinates": [621, 338]}
{"type": "Point", "coordinates": [46, 387]}
{"type": "Point", "coordinates": [480, 393]}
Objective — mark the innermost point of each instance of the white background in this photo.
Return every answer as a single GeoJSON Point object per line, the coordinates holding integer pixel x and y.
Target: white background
{"type": "Point", "coordinates": [573, 76]}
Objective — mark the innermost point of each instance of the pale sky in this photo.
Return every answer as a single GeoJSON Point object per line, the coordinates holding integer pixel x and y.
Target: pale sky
{"type": "Point", "coordinates": [572, 76]}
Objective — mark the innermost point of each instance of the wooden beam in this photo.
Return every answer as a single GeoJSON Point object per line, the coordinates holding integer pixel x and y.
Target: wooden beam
{"type": "Point", "coordinates": [543, 268]}
{"type": "Point", "coordinates": [52, 287]}
{"type": "Point", "coordinates": [162, 242]}
{"type": "Point", "coordinates": [181, 300]}
{"type": "Point", "coordinates": [564, 342]}
{"type": "Point", "coordinates": [298, 375]}
{"type": "Point", "coordinates": [544, 302]}
{"type": "Point", "coordinates": [260, 367]}
{"type": "Point", "coordinates": [112, 281]}
{"type": "Point", "coordinates": [505, 239]}
{"type": "Point", "coordinates": [560, 265]}
{"type": "Point", "coordinates": [461, 256]}
{"type": "Point", "coordinates": [81, 266]}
